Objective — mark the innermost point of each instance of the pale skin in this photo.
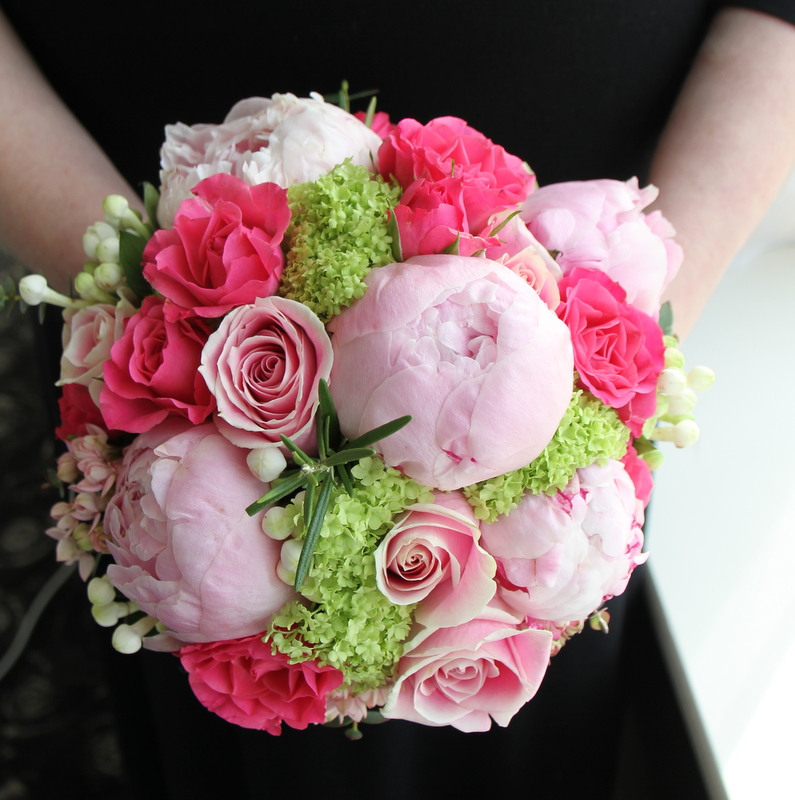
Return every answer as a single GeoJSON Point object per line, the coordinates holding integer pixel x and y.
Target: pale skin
{"type": "Point", "coordinates": [725, 152]}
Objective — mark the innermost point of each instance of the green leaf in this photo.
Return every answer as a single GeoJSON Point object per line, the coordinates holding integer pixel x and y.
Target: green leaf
{"type": "Point", "coordinates": [302, 457]}
{"type": "Point", "coordinates": [348, 454]}
{"type": "Point", "coordinates": [309, 503]}
{"type": "Point", "coordinates": [666, 318]}
{"type": "Point", "coordinates": [321, 435]}
{"type": "Point", "coordinates": [277, 493]}
{"type": "Point", "coordinates": [376, 434]}
{"type": "Point", "coordinates": [452, 248]}
{"type": "Point", "coordinates": [368, 119]}
{"type": "Point", "coordinates": [313, 532]}
{"type": "Point", "coordinates": [393, 231]}
{"type": "Point", "coordinates": [345, 478]}
{"type": "Point", "coordinates": [503, 224]}
{"type": "Point", "coordinates": [131, 250]}
{"type": "Point", "coordinates": [151, 199]}
{"type": "Point", "coordinates": [330, 413]}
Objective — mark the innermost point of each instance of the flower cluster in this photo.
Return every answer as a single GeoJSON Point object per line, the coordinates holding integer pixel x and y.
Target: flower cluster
{"type": "Point", "coordinates": [466, 372]}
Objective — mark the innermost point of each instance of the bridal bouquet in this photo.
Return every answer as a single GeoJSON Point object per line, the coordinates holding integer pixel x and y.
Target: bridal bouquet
{"type": "Point", "coordinates": [359, 424]}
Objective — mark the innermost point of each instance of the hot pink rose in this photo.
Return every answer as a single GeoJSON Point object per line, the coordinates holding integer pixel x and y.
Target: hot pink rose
{"type": "Point", "coordinates": [152, 372]}
{"type": "Point", "coordinates": [467, 675]}
{"type": "Point", "coordinates": [493, 179]}
{"type": "Point", "coordinates": [467, 348]}
{"type": "Point", "coordinates": [263, 365]}
{"type": "Point", "coordinates": [283, 140]}
{"type": "Point", "coordinates": [618, 350]}
{"type": "Point", "coordinates": [432, 557]}
{"type": "Point", "coordinates": [246, 684]}
{"type": "Point", "coordinates": [77, 411]}
{"type": "Point", "coordinates": [560, 557]}
{"type": "Point", "coordinates": [224, 248]}
{"type": "Point", "coordinates": [640, 473]}
{"type": "Point", "coordinates": [382, 125]}
{"type": "Point", "coordinates": [88, 335]}
{"type": "Point", "coordinates": [600, 225]}
{"type": "Point", "coordinates": [185, 549]}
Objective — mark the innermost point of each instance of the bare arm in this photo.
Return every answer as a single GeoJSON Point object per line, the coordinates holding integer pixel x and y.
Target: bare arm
{"type": "Point", "coordinates": [54, 176]}
{"type": "Point", "coordinates": [728, 147]}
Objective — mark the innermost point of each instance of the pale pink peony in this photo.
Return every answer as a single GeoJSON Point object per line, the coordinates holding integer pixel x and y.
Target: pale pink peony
{"type": "Point", "coordinates": [431, 556]}
{"type": "Point", "coordinates": [246, 684]}
{"type": "Point", "coordinates": [466, 347]}
{"type": "Point", "coordinates": [601, 225]}
{"type": "Point", "coordinates": [560, 557]}
{"type": "Point", "coordinates": [283, 140]}
{"type": "Point", "coordinates": [88, 335]}
{"type": "Point", "coordinates": [185, 549]}
{"type": "Point", "coordinates": [467, 675]}
{"type": "Point", "coordinates": [263, 365]}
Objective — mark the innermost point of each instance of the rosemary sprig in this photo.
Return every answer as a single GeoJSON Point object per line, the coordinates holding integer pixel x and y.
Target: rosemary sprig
{"type": "Point", "coordinates": [318, 476]}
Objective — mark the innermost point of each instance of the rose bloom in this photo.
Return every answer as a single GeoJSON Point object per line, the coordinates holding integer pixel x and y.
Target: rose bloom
{"type": "Point", "coordinates": [224, 249]}
{"type": "Point", "coordinates": [465, 676]}
{"type": "Point", "coordinates": [88, 335]}
{"type": "Point", "coordinates": [618, 350]}
{"type": "Point", "coordinates": [263, 365]}
{"type": "Point", "coordinates": [283, 140]}
{"type": "Point", "coordinates": [466, 347]}
{"type": "Point", "coordinates": [152, 371]}
{"type": "Point", "coordinates": [246, 684]}
{"type": "Point", "coordinates": [185, 549]}
{"type": "Point", "coordinates": [560, 557]}
{"type": "Point", "coordinates": [77, 411]}
{"type": "Point", "coordinates": [431, 556]}
{"type": "Point", "coordinates": [601, 225]}
{"type": "Point", "coordinates": [493, 179]}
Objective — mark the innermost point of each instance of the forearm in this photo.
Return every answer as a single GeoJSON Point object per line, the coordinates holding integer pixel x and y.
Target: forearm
{"type": "Point", "coordinates": [727, 148]}
{"type": "Point", "coordinates": [53, 176]}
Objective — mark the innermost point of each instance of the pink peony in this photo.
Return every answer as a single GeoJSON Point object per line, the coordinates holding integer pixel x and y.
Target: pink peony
{"type": "Point", "coordinates": [152, 371]}
{"type": "Point", "coordinates": [618, 350]}
{"type": "Point", "coordinates": [88, 335]}
{"type": "Point", "coordinates": [223, 250]}
{"type": "Point", "coordinates": [493, 180]}
{"type": "Point", "coordinates": [466, 347]}
{"type": "Point", "coordinates": [185, 549]}
{"type": "Point", "coordinates": [283, 140]}
{"type": "Point", "coordinates": [601, 225]}
{"type": "Point", "coordinates": [467, 675]}
{"type": "Point", "coordinates": [431, 556]}
{"type": "Point", "coordinates": [246, 684]}
{"type": "Point", "coordinates": [560, 557]}
{"type": "Point", "coordinates": [263, 365]}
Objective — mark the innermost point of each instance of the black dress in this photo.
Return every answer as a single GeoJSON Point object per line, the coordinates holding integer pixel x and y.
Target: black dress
{"type": "Point", "coordinates": [578, 89]}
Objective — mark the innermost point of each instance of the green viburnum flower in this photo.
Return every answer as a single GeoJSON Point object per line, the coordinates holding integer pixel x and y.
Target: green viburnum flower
{"type": "Point", "coordinates": [589, 432]}
{"type": "Point", "coordinates": [350, 624]}
{"type": "Point", "coordinates": [338, 233]}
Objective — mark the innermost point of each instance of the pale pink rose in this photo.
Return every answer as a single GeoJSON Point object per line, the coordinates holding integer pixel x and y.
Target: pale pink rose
{"type": "Point", "coordinates": [283, 140]}
{"type": "Point", "coordinates": [601, 225]}
{"type": "Point", "coordinates": [263, 365]}
{"type": "Point", "coordinates": [560, 557]}
{"type": "Point", "coordinates": [466, 347]}
{"type": "Point", "coordinates": [185, 549]}
{"type": "Point", "coordinates": [247, 684]}
{"type": "Point", "coordinates": [465, 676]}
{"type": "Point", "coordinates": [432, 557]}
{"type": "Point", "coordinates": [88, 335]}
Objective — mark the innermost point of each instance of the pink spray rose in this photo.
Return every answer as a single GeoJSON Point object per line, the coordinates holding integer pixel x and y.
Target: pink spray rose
{"type": "Point", "coordinates": [467, 675]}
{"type": "Point", "coordinates": [185, 549]}
{"type": "Point", "coordinates": [600, 225]}
{"type": "Point", "coordinates": [263, 365]}
{"type": "Point", "coordinates": [493, 179]}
{"type": "Point", "coordinates": [560, 557]}
{"type": "Point", "coordinates": [224, 249]}
{"type": "Point", "coordinates": [88, 335]}
{"type": "Point", "coordinates": [283, 140]}
{"type": "Point", "coordinates": [246, 684]}
{"type": "Point", "coordinates": [432, 557]}
{"type": "Point", "coordinates": [152, 371]}
{"type": "Point", "coordinates": [618, 350]}
{"type": "Point", "coordinates": [466, 347]}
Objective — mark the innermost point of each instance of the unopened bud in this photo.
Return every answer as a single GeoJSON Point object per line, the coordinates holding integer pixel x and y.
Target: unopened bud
{"type": "Point", "coordinates": [671, 381]}
{"type": "Point", "coordinates": [266, 463]}
{"type": "Point", "coordinates": [277, 523]}
{"type": "Point", "coordinates": [129, 638]}
{"type": "Point", "coordinates": [87, 288]}
{"type": "Point", "coordinates": [94, 235]}
{"type": "Point", "coordinates": [683, 434]}
{"type": "Point", "coordinates": [101, 591]}
{"type": "Point", "coordinates": [108, 276]}
{"type": "Point", "coordinates": [700, 378]}
{"type": "Point", "coordinates": [33, 290]}
{"type": "Point", "coordinates": [682, 403]}
{"type": "Point", "coordinates": [108, 250]}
